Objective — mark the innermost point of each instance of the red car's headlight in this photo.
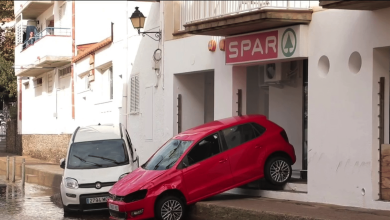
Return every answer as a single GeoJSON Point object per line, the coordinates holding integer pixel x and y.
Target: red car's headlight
{"type": "Point", "coordinates": [132, 197]}
{"type": "Point", "coordinates": [135, 196]}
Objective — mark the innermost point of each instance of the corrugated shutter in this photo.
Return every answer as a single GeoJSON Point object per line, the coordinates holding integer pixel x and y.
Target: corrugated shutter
{"type": "Point", "coordinates": [134, 96]}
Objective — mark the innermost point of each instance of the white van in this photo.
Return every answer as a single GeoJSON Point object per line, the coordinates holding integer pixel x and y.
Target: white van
{"type": "Point", "coordinates": [98, 156]}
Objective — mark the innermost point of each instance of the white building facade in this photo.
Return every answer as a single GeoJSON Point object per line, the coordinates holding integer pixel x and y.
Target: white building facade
{"type": "Point", "coordinates": [42, 65]}
{"type": "Point", "coordinates": [56, 90]}
{"type": "Point", "coordinates": [314, 71]}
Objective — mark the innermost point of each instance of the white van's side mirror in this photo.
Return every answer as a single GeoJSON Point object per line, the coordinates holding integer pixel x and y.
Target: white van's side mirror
{"type": "Point", "coordinates": [62, 163]}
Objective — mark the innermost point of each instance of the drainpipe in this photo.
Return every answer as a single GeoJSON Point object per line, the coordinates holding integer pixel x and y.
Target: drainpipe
{"type": "Point", "coordinates": [73, 55]}
{"type": "Point", "coordinates": [162, 19]}
{"type": "Point", "coordinates": [127, 64]}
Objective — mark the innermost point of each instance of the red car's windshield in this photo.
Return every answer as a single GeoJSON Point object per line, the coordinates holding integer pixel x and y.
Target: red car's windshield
{"type": "Point", "coordinates": [167, 156]}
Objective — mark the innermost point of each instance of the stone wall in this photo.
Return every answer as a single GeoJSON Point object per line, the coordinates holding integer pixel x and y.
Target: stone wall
{"type": "Point", "coordinates": [13, 139]}
{"type": "Point", "coordinates": [49, 147]}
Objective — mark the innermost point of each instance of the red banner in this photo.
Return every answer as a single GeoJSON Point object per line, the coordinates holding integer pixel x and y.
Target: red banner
{"type": "Point", "coordinates": [253, 47]}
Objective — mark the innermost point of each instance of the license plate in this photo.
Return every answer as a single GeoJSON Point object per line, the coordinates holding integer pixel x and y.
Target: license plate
{"type": "Point", "coordinates": [96, 200]}
{"type": "Point", "coordinates": [113, 207]}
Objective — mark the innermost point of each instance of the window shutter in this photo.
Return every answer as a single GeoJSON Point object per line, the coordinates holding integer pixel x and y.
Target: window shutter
{"type": "Point", "coordinates": [134, 96]}
{"type": "Point", "coordinates": [65, 71]}
{"type": "Point", "coordinates": [111, 84]}
{"type": "Point", "coordinates": [50, 82]}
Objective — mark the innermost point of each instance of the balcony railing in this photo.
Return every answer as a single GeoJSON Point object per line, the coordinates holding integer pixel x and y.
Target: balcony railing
{"type": "Point", "coordinates": [50, 31]}
{"type": "Point", "coordinates": [196, 11]}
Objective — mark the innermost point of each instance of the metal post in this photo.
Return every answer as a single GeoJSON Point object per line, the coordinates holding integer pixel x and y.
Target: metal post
{"type": "Point", "coordinates": [381, 128]}
{"type": "Point", "coordinates": [239, 102]}
{"type": "Point", "coordinates": [13, 170]}
{"type": "Point", "coordinates": [23, 172]}
{"type": "Point", "coordinates": [7, 177]}
{"type": "Point", "coordinates": [179, 113]}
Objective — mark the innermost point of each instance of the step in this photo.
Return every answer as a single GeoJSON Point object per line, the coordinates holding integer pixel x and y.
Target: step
{"type": "Point", "coordinates": [294, 185]}
{"type": "Point", "coordinates": [32, 179]}
{"type": "Point", "coordinates": [298, 187]}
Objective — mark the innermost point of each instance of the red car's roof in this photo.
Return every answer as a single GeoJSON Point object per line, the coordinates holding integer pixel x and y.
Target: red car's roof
{"type": "Point", "coordinates": [201, 130]}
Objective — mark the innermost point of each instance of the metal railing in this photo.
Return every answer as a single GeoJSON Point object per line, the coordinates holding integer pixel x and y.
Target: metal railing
{"type": "Point", "coordinates": [195, 11]}
{"type": "Point", "coordinates": [50, 31]}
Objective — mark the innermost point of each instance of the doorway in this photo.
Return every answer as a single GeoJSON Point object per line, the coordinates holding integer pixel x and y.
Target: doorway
{"type": "Point", "coordinates": [194, 104]}
{"type": "Point", "coordinates": [283, 101]}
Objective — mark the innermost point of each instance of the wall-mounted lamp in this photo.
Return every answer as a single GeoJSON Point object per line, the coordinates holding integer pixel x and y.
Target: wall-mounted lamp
{"type": "Point", "coordinates": [138, 21]}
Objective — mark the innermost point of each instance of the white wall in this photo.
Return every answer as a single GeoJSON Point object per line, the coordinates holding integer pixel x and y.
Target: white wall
{"type": "Point", "coordinates": [44, 111]}
{"type": "Point", "coordinates": [192, 90]}
{"type": "Point", "coordinates": [151, 92]}
{"type": "Point", "coordinates": [209, 97]}
{"type": "Point", "coordinates": [343, 111]}
{"type": "Point", "coordinates": [48, 46]}
{"type": "Point", "coordinates": [96, 26]}
{"type": "Point", "coordinates": [91, 106]}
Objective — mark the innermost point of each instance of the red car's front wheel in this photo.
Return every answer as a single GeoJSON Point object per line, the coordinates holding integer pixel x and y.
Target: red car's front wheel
{"type": "Point", "coordinates": [170, 208]}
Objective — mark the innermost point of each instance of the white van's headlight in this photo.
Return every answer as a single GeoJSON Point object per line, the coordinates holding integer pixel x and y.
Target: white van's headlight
{"type": "Point", "coordinates": [71, 183]}
{"type": "Point", "coordinates": [123, 175]}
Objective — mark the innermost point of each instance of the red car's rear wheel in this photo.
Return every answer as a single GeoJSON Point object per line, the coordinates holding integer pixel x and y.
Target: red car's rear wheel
{"type": "Point", "coordinates": [278, 170]}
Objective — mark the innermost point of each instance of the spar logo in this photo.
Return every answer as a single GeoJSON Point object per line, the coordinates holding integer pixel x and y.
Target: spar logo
{"type": "Point", "coordinates": [252, 47]}
{"type": "Point", "coordinates": [288, 42]}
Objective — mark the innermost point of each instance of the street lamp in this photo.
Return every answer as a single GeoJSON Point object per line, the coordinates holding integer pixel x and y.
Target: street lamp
{"type": "Point", "coordinates": [138, 21]}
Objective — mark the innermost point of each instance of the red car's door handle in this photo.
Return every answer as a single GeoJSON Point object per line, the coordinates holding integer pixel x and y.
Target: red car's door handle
{"type": "Point", "coordinates": [258, 147]}
{"type": "Point", "coordinates": [223, 160]}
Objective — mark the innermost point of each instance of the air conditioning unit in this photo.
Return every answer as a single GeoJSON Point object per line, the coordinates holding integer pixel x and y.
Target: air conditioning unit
{"type": "Point", "coordinates": [280, 72]}
{"type": "Point", "coordinates": [273, 73]}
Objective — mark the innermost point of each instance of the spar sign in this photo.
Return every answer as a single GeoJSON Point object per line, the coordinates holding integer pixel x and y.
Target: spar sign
{"type": "Point", "coordinates": [282, 43]}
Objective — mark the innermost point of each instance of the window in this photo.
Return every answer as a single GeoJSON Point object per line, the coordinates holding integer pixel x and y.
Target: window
{"type": "Point", "coordinates": [86, 82]}
{"type": "Point", "coordinates": [97, 154]}
{"type": "Point", "coordinates": [259, 130]}
{"type": "Point", "coordinates": [26, 85]}
{"type": "Point", "coordinates": [38, 82]}
{"type": "Point", "coordinates": [240, 134]}
{"type": "Point", "coordinates": [206, 148]}
{"type": "Point", "coordinates": [105, 84]}
{"type": "Point", "coordinates": [134, 96]}
{"type": "Point", "coordinates": [65, 71]}
{"type": "Point", "coordinates": [62, 11]}
{"type": "Point", "coordinates": [168, 155]}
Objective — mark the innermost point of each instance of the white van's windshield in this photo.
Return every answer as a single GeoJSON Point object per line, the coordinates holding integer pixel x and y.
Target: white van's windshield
{"type": "Point", "coordinates": [97, 154]}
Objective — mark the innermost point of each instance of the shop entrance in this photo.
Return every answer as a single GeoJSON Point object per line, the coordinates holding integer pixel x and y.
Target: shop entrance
{"type": "Point", "coordinates": [194, 104]}
{"type": "Point", "coordinates": [279, 91]}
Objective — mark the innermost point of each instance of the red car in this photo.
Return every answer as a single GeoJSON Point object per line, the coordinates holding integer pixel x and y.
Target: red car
{"type": "Point", "coordinates": [202, 162]}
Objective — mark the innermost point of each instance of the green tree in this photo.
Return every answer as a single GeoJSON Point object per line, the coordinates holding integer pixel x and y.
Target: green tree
{"type": "Point", "coordinates": [289, 44]}
{"type": "Point", "coordinates": [6, 9]}
{"type": "Point", "coordinates": [8, 85]}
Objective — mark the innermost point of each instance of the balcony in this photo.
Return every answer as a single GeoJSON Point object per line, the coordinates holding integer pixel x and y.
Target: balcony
{"type": "Point", "coordinates": [32, 9]}
{"type": "Point", "coordinates": [355, 5]}
{"type": "Point", "coordinates": [47, 50]}
{"type": "Point", "coordinates": [225, 18]}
